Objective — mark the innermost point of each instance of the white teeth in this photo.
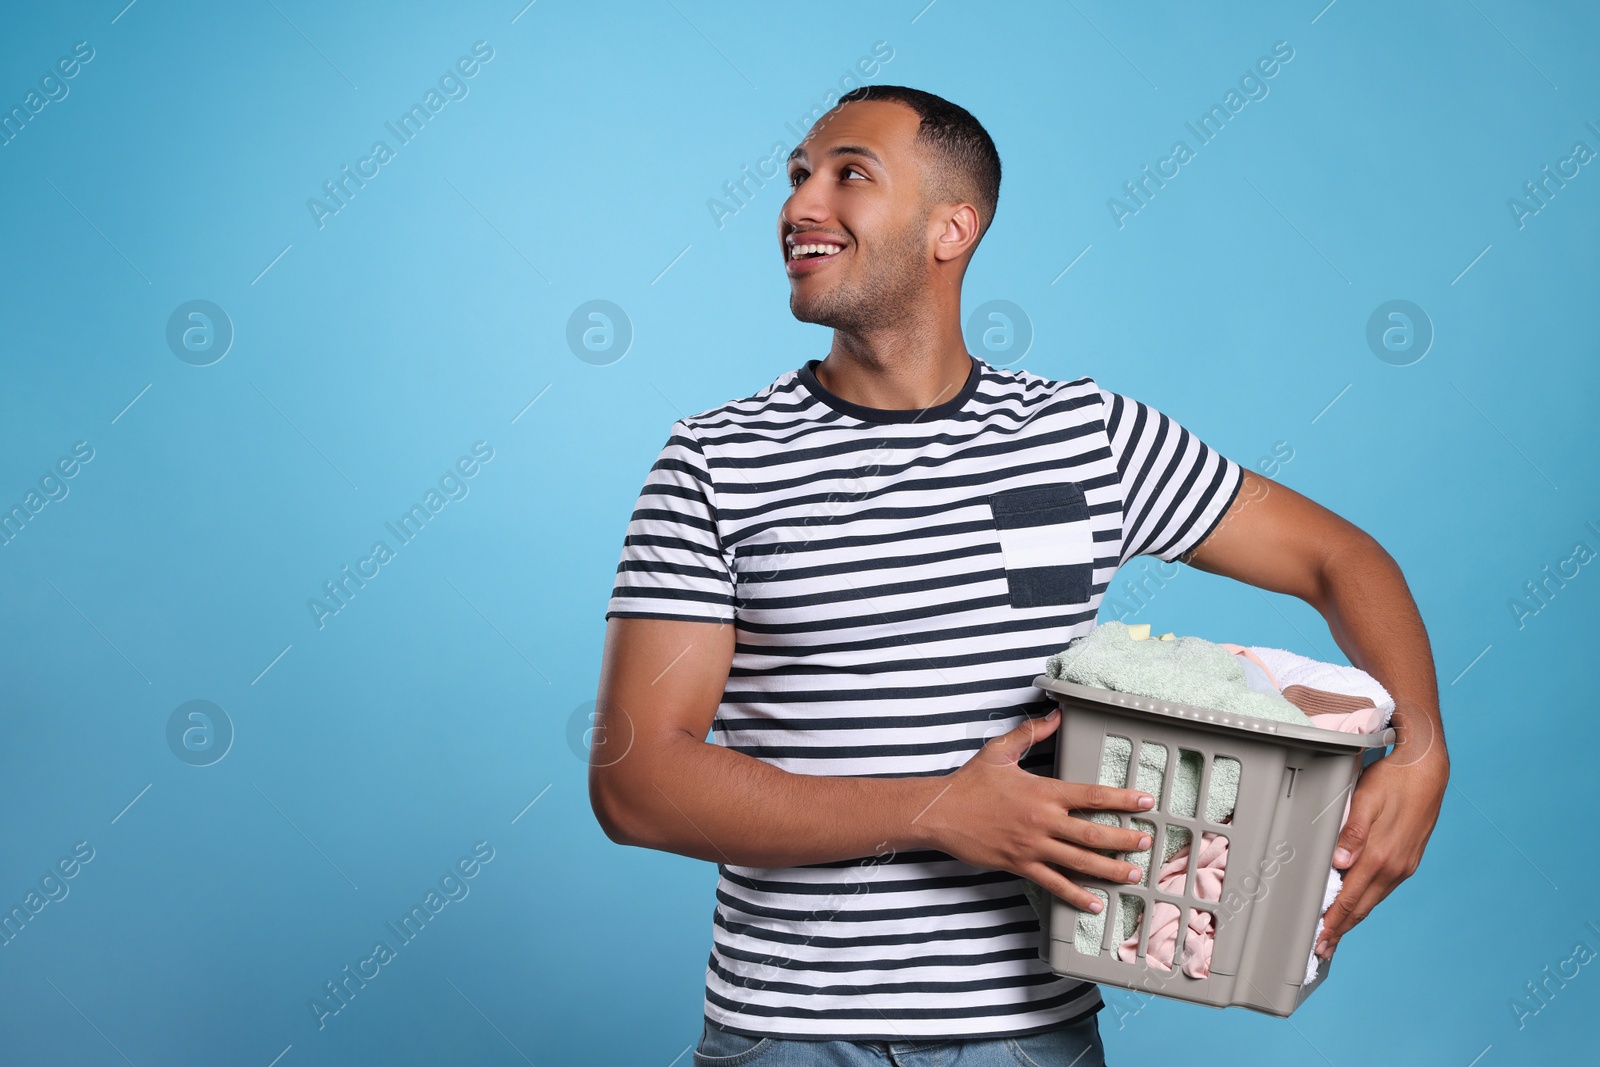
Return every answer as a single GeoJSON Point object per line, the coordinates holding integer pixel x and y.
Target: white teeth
{"type": "Point", "coordinates": [800, 250]}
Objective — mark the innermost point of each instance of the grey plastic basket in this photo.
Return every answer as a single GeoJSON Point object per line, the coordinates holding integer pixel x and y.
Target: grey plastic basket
{"type": "Point", "coordinates": [1292, 783]}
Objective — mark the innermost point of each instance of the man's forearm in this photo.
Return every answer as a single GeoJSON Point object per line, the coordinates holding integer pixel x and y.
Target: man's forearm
{"type": "Point", "coordinates": [1373, 617]}
{"type": "Point", "coordinates": [709, 802]}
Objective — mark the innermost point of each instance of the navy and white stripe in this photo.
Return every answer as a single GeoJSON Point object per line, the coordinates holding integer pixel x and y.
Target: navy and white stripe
{"type": "Point", "coordinates": [896, 581]}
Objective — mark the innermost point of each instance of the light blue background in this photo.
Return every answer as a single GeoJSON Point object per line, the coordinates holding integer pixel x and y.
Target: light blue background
{"type": "Point", "coordinates": [440, 702]}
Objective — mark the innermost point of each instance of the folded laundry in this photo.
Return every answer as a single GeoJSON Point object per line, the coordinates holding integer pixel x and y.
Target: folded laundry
{"type": "Point", "coordinates": [1198, 942]}
{"type": "Point", "coordinates": [1324, 690]}
{"type": "Point", "coordinates": [1264, 682]}
{"type": "Point", "coordinates": [1290, 669]}
{"type": "Point", "coordinates": [1184, 670]}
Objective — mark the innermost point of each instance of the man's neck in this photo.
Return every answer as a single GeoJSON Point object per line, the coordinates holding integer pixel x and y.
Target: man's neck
{"type": "Point", "coordinates": [897, 368]}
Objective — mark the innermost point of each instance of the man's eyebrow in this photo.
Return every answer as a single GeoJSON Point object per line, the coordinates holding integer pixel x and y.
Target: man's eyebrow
{"type": "Point", "coordinates": [855, 150]}
{"type": "Point", "coordinates": [840, 150]}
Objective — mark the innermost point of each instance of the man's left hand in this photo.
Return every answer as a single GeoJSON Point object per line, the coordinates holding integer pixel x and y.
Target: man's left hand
{"type": "Point", "coordinates": [1392, 813]}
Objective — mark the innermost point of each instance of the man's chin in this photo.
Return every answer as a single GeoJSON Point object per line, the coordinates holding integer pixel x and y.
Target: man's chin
{"type": "Point", "coordinates": [811, 311]}
{"type": "Point", "coordinates": [839, 307]}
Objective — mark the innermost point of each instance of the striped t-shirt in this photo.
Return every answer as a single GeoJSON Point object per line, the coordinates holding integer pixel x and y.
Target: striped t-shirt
{"type": "Point", "coordinates": [896, 580]}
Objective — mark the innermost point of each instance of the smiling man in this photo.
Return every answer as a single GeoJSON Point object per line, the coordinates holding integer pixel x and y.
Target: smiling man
{"type": "Point", "coordinates": [850, 580]}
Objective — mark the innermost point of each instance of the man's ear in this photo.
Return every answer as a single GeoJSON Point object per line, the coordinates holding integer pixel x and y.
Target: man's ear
{"type": "Point", "coordinates": [956, 231]}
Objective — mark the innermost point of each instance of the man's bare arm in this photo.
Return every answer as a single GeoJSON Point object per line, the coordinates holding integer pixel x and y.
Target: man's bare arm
{"type": "Point", "coordinates": [655, 782]}
{"type": "Point", "coordinates": [1277, 539]}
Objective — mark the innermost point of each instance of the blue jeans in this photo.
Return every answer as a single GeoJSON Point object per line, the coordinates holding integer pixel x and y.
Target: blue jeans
{"type": "Point", "coordinates": [1075, 1045]}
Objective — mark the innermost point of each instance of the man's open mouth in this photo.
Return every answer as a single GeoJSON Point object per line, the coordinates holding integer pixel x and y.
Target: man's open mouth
{"type": "Point", "coordinates": [814, 251]}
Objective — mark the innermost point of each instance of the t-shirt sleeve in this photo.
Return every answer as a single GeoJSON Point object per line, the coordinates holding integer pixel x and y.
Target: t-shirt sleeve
{"type": "Point", "coordinates": [1175, 488]}
{"type": "Point", "coordinates": [673, 565]}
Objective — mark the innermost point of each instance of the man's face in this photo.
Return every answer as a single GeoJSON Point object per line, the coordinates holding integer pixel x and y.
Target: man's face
{"type": "Point", "coordinates": [856, 193]}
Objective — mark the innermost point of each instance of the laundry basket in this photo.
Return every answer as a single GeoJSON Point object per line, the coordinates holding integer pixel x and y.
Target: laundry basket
{"type": "Point", "coordinates": [1291, 788]}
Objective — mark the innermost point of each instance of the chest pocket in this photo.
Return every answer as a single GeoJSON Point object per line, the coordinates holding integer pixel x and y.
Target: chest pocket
{"type": "Point", "coordinates": [1046, 543]}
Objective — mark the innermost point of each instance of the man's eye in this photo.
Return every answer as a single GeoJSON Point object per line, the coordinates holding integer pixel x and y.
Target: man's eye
{"type": "Point", "coordinates": [796, 178]}
{"type": "Point", "coordinates": [854, 170]}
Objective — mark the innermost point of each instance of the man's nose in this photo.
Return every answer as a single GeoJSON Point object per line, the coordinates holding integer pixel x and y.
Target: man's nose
{"type": "Point", "coordinates": [805, 205]}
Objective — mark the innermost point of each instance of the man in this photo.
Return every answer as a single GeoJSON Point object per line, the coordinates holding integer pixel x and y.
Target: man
{"type": "Point", "coordinates": [852, 578]}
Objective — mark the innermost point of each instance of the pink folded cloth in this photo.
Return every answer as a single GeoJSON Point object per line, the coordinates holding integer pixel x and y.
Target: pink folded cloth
{"type": "Point", "coordinates": [1336, 711]}
{"type": "Point", "coordinates": [1200, 939]}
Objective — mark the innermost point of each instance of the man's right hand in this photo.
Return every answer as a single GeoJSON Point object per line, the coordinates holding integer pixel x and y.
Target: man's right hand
{"type": "Point", "coordinates": [997, 816]}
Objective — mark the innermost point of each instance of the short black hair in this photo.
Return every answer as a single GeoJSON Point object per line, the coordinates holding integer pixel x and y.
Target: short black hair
{"type": "Point", "coordinates": [969, 160]}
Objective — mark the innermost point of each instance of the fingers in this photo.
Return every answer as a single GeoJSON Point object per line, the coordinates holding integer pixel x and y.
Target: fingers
{"type": "Point", "coordinates": [1366, 885]}
{"type": "Point", "coordinates": [1012, 745]}
{"type": "Point", "coordinates": [1340, 914]}
{"type": "Point", "coordinates": [1092, 797]}
{"type": "Point", "coordinates": [1364, 809]}
{"type": "Point", "coordinates": [1354, 912]}
{"type": "Point", "coordinates": [1057, 884]}
{"type": "Point", "coordinates": [1336, 920]}
{"type": "Point", "coordinates": [1096, 835]}
{"type": "Point", "coordinates": [1064, 854]}
{"type": "Point", "coordinates": [1351, 840]}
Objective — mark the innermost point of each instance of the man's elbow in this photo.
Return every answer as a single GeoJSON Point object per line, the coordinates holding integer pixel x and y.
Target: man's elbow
{"type": "Point", "coordinates": [1353, 558]}
{"type": "Point", "coordinates": [610, 810]}
{"type": "Point", "coordinates": [624, 795]}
